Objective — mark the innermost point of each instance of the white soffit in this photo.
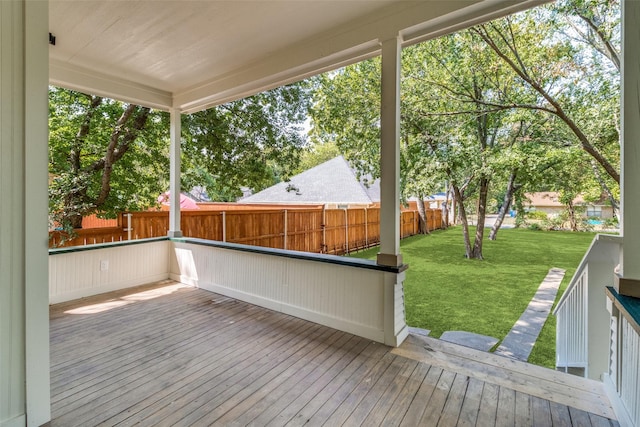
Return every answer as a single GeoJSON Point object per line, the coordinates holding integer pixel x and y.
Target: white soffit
{"type": "Point", "coordinates": [189, 54]}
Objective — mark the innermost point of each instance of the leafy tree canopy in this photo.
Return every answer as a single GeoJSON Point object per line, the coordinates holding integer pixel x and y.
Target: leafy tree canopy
{"type": "Point", "coordinates": [107, 157]}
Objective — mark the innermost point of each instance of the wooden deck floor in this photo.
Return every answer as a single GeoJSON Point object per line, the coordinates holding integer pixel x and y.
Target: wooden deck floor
{"type": "Point", "coordinates": [168, 354]}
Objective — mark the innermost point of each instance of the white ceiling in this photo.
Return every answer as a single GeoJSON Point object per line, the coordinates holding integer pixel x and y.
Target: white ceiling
{"type": "Point", "coordinates": [189, 54]}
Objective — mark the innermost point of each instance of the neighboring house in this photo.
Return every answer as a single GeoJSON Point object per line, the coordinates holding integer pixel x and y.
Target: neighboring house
{"type": "Point", "coordinates": [334, 184]}
{"type": "Point", "coordinates": [186, 202]}
{"type": "Point", "coordinates": [548, 202]}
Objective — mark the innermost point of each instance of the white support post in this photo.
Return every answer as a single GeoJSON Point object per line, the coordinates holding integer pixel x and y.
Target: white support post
{"type": "Point", "coordinates": [174, 185]}
{"type": "Point", "coordinates": [628, 275]}
{"type": "Point", "coordinates": [36, 110]}
{"type": "Point", "coordinates": [390, 155]}
{"type": "Point", "coordinates": [24, 292]}
{"type": "Point", "coordinates": [395, 327]}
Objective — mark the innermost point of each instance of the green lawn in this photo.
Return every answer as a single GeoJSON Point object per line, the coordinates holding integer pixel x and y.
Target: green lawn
{"type": "Point", "coordinates": [445, 291]}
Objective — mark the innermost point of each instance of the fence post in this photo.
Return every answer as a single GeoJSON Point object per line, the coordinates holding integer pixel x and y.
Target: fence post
{"type": "Point", "coordinates": [366, 228]}
{"type": "Point", "coordinates": [129, 216]}
{"type": "Point", "coordinates": [324, 228]}
{"type": "Point", "coordinates": [224, 226]}
{"type": "Point", "coordinates": [346, 228]}
{"type": "Point", "coordinates": [285, 229]}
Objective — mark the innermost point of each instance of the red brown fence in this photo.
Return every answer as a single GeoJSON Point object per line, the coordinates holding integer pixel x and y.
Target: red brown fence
{"type": "Point", "coordinates": [333, 231]}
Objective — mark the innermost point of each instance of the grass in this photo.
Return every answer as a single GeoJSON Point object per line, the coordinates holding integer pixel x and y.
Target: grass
{"type": "Point", "coordinates": [444, 291]}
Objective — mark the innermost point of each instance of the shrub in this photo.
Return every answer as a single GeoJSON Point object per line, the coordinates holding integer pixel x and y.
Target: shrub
{"type": "Point", "coordinates": [537, 215]}
{"type": "Point", "coordinates": [554, 223]}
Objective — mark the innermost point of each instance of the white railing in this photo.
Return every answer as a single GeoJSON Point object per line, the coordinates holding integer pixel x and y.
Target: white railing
{"type": "Point", "coordinates": [629, 368]}
{"type": "Point", "coordinates": [623, 379]}
{"type": "Point", "coordinates": [78, 272]}
{"type": "Point", "coordinates": [571, 326]}
{"type": "Point", "coordinates": [352, 295]}
{"type": "Point", "coordinates": [582, 319]}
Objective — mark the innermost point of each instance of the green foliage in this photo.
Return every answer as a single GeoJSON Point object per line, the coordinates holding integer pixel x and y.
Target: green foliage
{"type": "Point", "coordinates": [104, 156]}
{"type": "Point", "coordinates": [524, 96]}
{"type": "Point", "coordinates": [253, 142]}
{"type": "Point", "coordinates": [540, 215]}
{"type": "Point", "coordinates": [107, 157]}
{"type": "Point", "coordinates": [444, 291]}
{"type": "Point", "coordinates": [317, 154]}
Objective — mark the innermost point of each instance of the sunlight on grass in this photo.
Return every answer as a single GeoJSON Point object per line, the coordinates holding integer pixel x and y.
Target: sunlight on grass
{"type": "Point", "coordinates": [444, 291]}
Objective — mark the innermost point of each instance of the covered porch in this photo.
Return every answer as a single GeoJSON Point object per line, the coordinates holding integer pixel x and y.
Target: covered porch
{"type": "Point", "coordinates": [168, 353]}
{"type": "Point", "coordinates": [141, 357]}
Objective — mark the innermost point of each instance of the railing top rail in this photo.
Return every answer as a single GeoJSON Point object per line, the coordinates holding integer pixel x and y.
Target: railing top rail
{"type": "Point", "coordinates": [70, 249]}
{"type": "Point", "coordinates": [309, 256]}
{"type": "Point", "coordinates": [628, 306]}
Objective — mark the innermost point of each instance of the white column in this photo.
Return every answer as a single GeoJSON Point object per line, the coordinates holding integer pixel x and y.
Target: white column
{"type": "Point", "coordinates": [174, 185]}
{"type": "Point", "coordinates": [24, 293]}
{"type": "Point", "coordinates": [390, 155]}
{"type": "Point", "coordinates": [629, 271]}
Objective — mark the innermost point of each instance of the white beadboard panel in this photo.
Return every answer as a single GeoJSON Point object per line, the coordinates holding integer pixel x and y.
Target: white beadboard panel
{"type": "Point", "coordinates": [79, 274]}
{"type": "Point", "coordinates": [342, 297]}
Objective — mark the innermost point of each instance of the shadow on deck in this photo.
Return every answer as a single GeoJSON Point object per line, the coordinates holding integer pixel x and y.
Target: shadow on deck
{"type": "Point", "coordinates": [170, 354]}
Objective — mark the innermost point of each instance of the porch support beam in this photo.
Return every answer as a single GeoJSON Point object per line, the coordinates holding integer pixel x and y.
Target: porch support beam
{"type": "Point", "coordinates": [390, 154]}
{"type": "Point", "coordinates": [175, 172]}
{"type": "Point", "coordinates": [395, 327]}
{"type": "Point", "coordinates": [628, 274]}
{"type": "Point", "coordinates": [24, 293]}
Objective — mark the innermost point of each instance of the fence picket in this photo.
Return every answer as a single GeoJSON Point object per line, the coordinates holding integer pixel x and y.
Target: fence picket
{"type": "Point", "coordinates": [332, 231]}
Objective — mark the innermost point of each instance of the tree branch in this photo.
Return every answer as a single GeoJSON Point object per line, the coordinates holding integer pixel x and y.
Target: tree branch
{"type": "Point", "coordinates": [584, 140]}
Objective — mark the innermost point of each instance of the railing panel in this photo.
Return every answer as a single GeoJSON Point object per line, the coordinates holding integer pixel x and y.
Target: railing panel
{"type": "Point", "coordinates": [81, 272]}
{"type": "Point", "coordinates": [582, 318]}
{"type": "Point", "coordinates": [630, 370]}
{"type": "Point", "coordinates": [345, 294]}
{"type": "Point", "coordinates": [571, 329]}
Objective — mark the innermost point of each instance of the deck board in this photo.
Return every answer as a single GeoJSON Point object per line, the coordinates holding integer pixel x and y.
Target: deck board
{"type": "Point", "coordinates": [169, 354]}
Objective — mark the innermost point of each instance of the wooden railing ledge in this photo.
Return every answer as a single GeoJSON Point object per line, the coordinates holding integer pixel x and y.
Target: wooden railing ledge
{"type": "Point", "coordinates": [308, 256]}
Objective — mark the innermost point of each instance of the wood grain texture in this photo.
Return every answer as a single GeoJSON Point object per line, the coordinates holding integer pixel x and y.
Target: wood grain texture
{"type": "Point", "coordinates": [170, 354]}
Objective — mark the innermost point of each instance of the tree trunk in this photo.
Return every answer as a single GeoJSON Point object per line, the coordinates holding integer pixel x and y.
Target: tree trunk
{"type": "Point", "coordinates": [423, 224]}
{"type": "Point", "coordinates": [445, 209]}
{"type": "Point", "coordinates": [463, 220]}
{"type": "Point", "coordinates": [75, 220]}
{"type": "Point", "coordinates": [605, 188]}
{"type": "Point", "coordinates": [482, 213]}
{"type": "Point", "coordinates": [572, 216]}
{"type": "Point", "coordinates": [506, 204]}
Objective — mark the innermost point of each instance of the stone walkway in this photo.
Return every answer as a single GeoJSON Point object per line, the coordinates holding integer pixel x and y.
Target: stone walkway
{"type": "Point", "coordinates": [520, 340]}
{"type": "Point", "coordinates": [469, 339]}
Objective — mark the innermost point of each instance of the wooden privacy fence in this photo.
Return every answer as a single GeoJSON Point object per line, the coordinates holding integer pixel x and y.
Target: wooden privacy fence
{"type": "Point", "coordinates": [332, 231]}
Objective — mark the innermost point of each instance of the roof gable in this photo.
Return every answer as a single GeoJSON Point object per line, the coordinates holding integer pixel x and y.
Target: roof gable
{"type": "Point", "coordinates": [333, 181]}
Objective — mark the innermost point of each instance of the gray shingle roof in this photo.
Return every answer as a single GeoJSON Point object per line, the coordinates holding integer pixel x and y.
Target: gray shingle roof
{"type": "Point", "coordinates": [333, 181]}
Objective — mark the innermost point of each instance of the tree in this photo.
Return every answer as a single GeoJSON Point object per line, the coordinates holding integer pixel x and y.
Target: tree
{"type": "Point", "coordinates": [253, 142]}
{"type": "Point", "coordinates": [104, 156]}
{"type": "Point", "coordinates": [485, 107]}
{"type": "Point", "coordinates": [107, 157]}
{"type": "Point", "coordinates": [316, 154]}
{"type": "Point", "coordinates": [555, 69]}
